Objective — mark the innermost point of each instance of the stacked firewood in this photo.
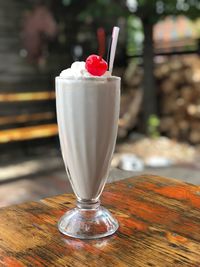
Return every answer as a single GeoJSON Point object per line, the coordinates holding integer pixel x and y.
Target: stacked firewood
{"type": "Point", "coordinates": [178, 82]}
{"type": "Point", "coordinates": [131, 99]}
{"type": "Point", "coordinates": [178, 85]}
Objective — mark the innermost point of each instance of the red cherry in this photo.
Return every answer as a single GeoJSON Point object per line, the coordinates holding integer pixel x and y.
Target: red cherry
{"type": "Point", "coordinates": [96, 65]}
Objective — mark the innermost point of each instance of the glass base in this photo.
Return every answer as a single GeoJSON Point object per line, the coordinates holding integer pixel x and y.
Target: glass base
{"type": "Point", "coordinates": [86, 223]}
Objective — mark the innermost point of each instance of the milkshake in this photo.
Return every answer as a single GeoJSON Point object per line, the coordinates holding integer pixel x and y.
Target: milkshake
{"type": "Point", "coordinates": [87, 114]}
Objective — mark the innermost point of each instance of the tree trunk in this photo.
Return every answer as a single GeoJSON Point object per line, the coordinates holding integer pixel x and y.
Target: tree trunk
{"type": "Point", "coordinates": [149, 98]}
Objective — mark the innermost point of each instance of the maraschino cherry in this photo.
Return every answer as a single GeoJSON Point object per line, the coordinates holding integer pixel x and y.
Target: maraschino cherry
{"type": "Point", "coordinates": [96, 65]}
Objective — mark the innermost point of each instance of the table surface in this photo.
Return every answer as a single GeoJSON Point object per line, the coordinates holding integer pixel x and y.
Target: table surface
{"type": "Point", "coordinates": [159, 226]}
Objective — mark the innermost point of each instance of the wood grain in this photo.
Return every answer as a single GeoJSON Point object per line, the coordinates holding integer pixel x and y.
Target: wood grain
{"type": "Point", "coordinates": [24, 118]}
{"type": "Point", "coordinates": [27, 96]}
{"type": "Point", "coordinates": [159, 226]}
{"type": "Point", "coordinates": [27, 133]}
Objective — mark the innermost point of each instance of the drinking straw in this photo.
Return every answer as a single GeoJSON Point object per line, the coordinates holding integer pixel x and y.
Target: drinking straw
{"type": "Point", "coordinates": [115, 34]}
{"type": "Point", "coordinates": [109, 48]}
{"type": "Point", "coordinates": [101, 41]}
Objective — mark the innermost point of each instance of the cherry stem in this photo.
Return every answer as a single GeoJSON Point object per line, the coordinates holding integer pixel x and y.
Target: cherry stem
{"type": "Point", "coordinates": [101, 41]}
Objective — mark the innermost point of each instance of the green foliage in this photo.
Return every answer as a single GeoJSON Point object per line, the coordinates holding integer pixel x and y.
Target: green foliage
{"type": "Point", "coordinates": [66, 2]}
{"type": "Point", "coordinates": [159, 8]}
{"type": "Point", "coordinates": [153, 10]}
{"type": "Point", "coordinates": [102, 10]}
{"type": "Point", "coordinates": [153, 126]}
{"type": "Point", "coordinates": [135, 35]}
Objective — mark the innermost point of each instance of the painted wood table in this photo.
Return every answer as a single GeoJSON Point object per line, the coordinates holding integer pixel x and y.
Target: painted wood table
{"type": "Point", "coordinates": [159, 226]}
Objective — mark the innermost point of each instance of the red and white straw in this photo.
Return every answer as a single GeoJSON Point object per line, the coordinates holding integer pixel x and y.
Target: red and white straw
{"type": "Point", "coordinates": [115, 34]}
{"type": "Point", "coordinates": [101, 41]}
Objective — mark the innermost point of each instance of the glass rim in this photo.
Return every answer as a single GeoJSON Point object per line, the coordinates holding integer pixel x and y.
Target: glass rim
{"type": "Point", "coordinates": [111, 78]}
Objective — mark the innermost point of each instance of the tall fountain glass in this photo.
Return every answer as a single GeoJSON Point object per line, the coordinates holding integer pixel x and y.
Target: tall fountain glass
{"type": "Point", "coordinates": [87, 114]}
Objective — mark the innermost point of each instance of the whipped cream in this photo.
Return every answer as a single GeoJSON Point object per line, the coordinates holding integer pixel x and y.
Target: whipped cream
{"type": "Point", "coordinates": [78, 70]}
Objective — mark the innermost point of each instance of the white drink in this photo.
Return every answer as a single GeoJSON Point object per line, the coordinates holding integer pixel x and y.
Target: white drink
{"type": "Point", "coordinates": [87, 114]}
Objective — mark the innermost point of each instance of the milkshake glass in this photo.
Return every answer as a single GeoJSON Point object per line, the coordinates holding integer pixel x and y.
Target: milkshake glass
{"type": "Point", "coordinates": [87, 114]}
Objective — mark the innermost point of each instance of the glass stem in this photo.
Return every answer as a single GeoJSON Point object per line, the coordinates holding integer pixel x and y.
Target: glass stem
{"type": "Point", "coordinates": [88, 204]}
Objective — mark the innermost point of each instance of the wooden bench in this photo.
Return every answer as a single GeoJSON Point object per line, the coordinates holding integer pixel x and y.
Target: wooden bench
{"type": "Point", "coordinates": [159, 226]}
{"type": "Point", "coordinates": [26, 116]}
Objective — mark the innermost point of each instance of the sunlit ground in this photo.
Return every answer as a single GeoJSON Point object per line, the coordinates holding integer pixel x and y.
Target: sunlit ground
{"type": "Point", "coordinates": [39, 178]}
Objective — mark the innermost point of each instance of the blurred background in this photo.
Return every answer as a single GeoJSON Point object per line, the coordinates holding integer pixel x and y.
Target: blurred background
{"type": "Point", "coordinates": [158, 58]}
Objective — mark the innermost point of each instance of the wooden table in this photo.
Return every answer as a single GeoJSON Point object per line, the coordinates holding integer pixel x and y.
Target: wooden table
{"type": "Point", "coordinates": [159, 226]}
